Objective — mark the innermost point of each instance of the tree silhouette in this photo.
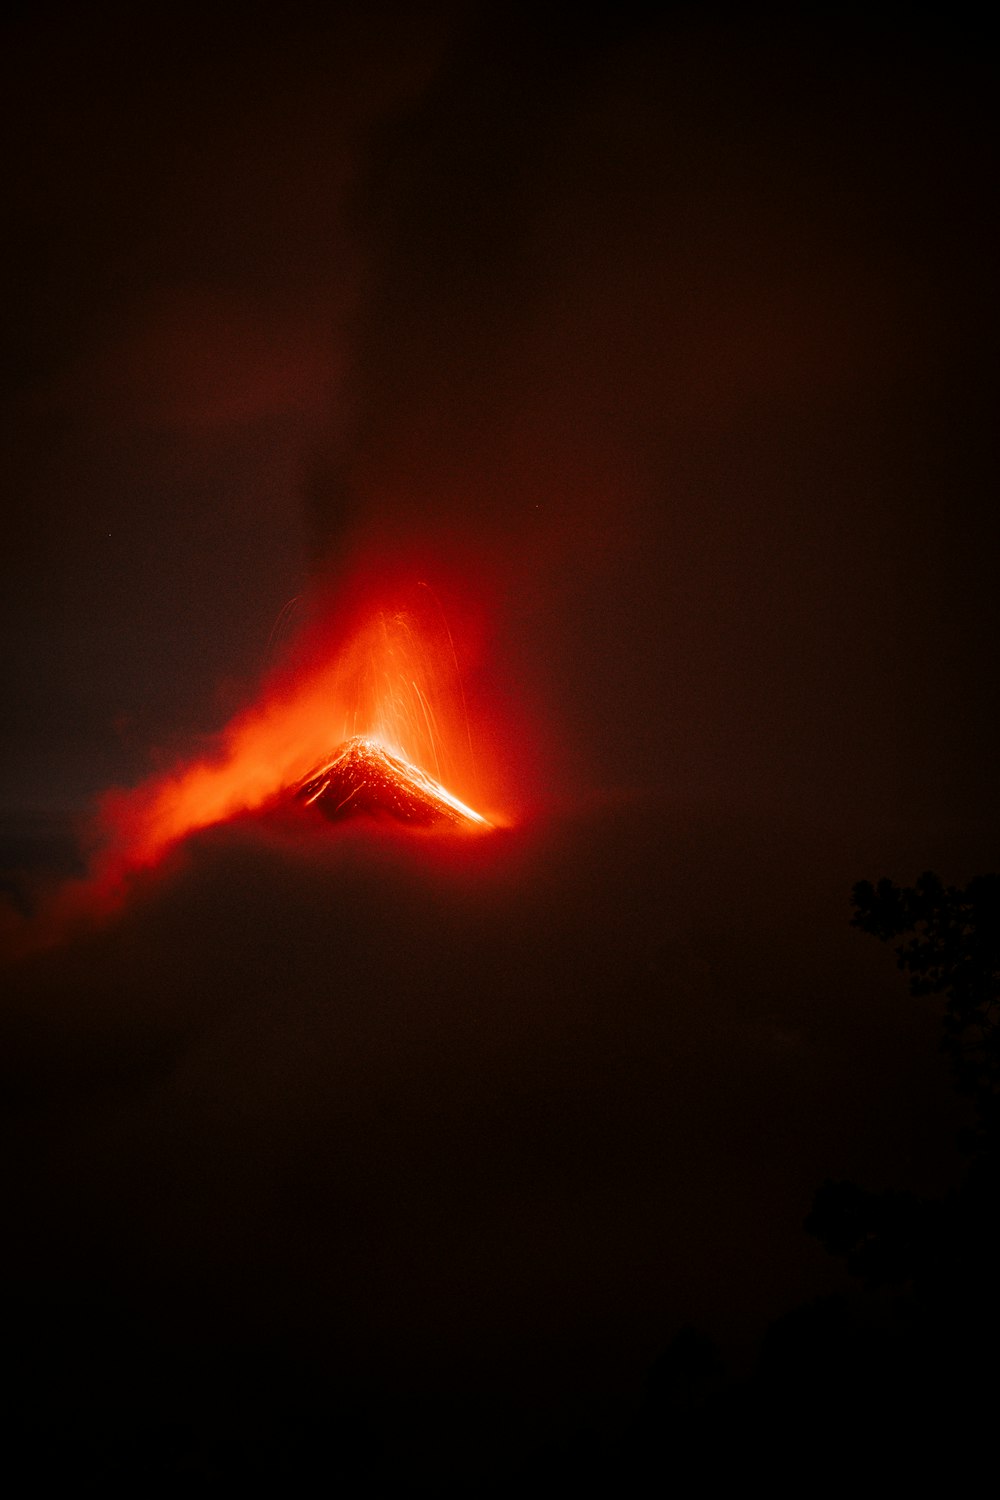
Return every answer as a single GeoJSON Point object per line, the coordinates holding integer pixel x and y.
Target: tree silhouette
{"type": "Point", "coordinates": [948, 940]}
{"type": "Point", "coordinates": [895, 1380]}
{"type": "Point", "coordinates": [942, 1252]}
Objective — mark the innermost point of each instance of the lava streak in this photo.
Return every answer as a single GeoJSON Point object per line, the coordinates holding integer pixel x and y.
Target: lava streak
{"type": "Point", "coordinates": [363, 777]}
{"type": "Point", "coordinates": [388, 692]}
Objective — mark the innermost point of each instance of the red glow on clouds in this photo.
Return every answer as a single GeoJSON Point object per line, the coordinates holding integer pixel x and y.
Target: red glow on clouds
{"type": "Point", "coordinates": [396, 669]}
{"type": "Point", "coordinates": [387, 664]}
{"type": "Point", "coordinates": [393, 673]}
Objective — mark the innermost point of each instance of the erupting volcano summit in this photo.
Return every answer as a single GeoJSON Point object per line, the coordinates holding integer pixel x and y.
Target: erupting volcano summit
{"type": "Point", "coordinates": [362, 777]}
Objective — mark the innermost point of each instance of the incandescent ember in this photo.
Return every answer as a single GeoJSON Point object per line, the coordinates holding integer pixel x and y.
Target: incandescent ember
{"type": "Point", "coordinates": [363, 777]}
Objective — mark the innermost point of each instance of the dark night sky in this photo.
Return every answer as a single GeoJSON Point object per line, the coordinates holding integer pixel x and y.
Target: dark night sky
{"type": "Point", "coordinates": [676, 338]}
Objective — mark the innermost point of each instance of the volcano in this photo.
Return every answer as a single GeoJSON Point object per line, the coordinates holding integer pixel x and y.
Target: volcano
{"type": "Point", "coordinates": [363, 777]}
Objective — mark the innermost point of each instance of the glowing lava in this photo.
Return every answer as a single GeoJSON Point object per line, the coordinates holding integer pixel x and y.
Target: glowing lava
{"type": "Point", "coordinates": [385, 688]}
{"type": "Point", "coordinates": [383, 684]}
{"type": "Point", "coordinates": [363, 777]}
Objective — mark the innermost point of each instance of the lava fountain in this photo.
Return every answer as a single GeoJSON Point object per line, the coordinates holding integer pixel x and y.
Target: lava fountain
{"type": "Point", "coordinates": [370, 719]}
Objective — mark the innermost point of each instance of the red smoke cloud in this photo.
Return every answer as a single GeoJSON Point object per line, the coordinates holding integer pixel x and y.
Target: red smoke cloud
{"type": "Point", "coordinates": [392, 666]}
{"type": "Point", "coordinates": [384, 659]}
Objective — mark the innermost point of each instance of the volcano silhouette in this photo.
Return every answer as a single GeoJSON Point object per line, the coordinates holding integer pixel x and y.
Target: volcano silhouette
{"type": "Point", "coordinates": [362, 777]}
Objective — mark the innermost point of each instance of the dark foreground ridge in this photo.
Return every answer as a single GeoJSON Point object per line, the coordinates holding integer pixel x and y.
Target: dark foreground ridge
{"type": "Point", "coordinates": [362, 777]}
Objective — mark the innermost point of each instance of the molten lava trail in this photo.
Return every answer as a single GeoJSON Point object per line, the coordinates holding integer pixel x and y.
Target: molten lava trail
{"type": "Point", "coordinates": [363, 777]}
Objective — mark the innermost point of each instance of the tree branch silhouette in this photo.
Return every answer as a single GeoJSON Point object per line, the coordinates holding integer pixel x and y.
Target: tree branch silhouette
{"type": "Point", "coordinates": [947, 940]}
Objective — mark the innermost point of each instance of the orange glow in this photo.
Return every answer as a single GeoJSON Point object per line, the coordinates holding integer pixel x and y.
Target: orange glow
{"type": "Point", "coordinates": [393, 679]}
{"type": "Point", "coordinates": [363, 774]}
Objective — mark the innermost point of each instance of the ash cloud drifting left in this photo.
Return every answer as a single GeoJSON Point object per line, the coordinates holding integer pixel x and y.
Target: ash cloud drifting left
{"type": "Point", "coordinates": [176, 349]}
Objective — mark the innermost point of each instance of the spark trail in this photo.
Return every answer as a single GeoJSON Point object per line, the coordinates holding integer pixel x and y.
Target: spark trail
{"type": "Point", "coordinates": [363, 777]}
